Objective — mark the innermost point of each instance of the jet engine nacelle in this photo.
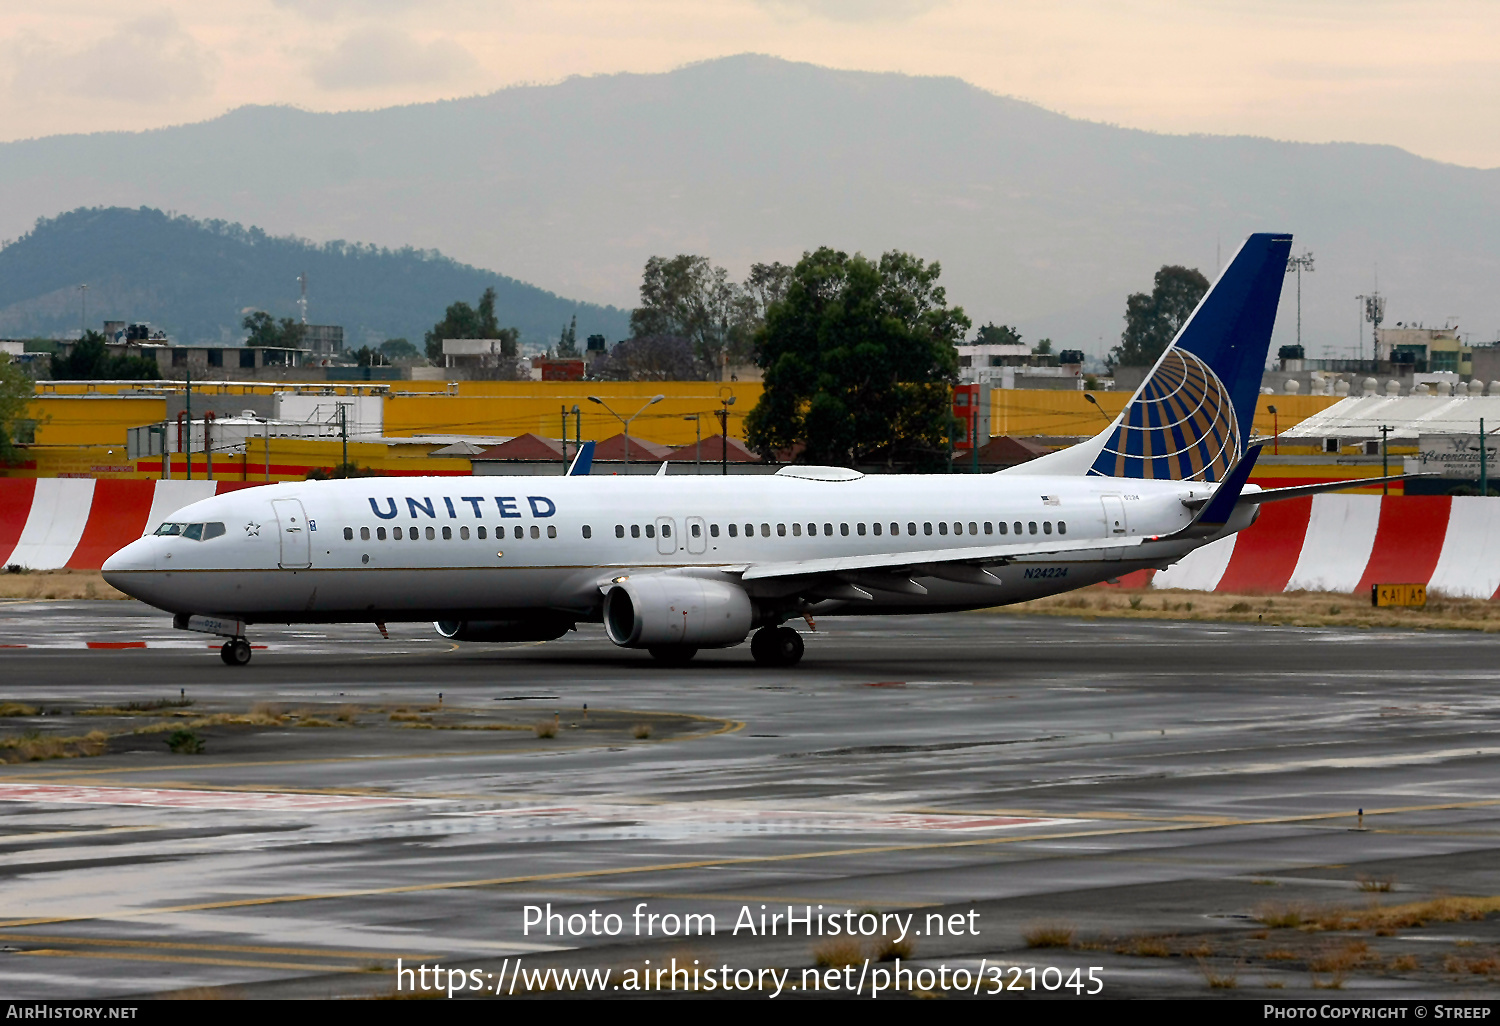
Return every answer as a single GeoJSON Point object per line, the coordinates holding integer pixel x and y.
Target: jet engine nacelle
{"type": "Point", "coordinates": [502, 630]}
{"type": "Point", "coordinates": [670, 609]}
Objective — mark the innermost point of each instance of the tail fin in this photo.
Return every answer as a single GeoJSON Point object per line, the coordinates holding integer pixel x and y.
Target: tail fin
{"type": "Point", "coordinates": [1190, 419]}
{"type": "Point", "coordinates": [582, 462]}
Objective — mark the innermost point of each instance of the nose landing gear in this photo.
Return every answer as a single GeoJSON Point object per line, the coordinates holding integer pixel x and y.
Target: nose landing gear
{"type": "Point", "coordinates": [235, 652]}
{"type": "Point", "coordinates": [776, 646]}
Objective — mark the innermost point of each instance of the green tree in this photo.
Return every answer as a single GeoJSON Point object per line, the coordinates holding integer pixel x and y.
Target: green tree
{"type": "Point", "coordinates": [267, 332]}
{"type": "Point", "coordinates": [461, 320]}
{"type": "Point", "coordinates": [91, 360]}
{"type": "Point", "coordinates": [567, 342]}
{"type": "Point", "coordinates": [998, 335]}
{"type": "Point", "coordinates": [15, 395]}
{"type": "Point", "coordinates": [1042, 348]}
{"type": "Point", "coordinates": [688, 297]}
{"type": "Point", "coordinates": [859, 362]}
{"type": "Point", "coordinates": [1152, 321]}
{"type": "Point", "coordinates": [398, 349]}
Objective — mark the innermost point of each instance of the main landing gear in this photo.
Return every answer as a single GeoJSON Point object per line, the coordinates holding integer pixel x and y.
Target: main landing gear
{"type": "Point", "coordinates": [235, 652]}
{"type": "Point", "coordinates": [776, 646]}
{"type": "Point", "coordinates": [672, 655]}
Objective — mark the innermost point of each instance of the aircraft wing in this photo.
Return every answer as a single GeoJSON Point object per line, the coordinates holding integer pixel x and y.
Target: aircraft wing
{"type": "Point", "coordinates": [1297, 491]}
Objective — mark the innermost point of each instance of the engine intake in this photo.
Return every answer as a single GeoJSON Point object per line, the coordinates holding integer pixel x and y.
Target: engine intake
{"type": "Point", "coordinates": [502, 630]}
{"type": "Point", "coordinates": [670, 609]}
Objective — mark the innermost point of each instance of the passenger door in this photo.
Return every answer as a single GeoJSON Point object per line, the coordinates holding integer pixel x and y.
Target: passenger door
{"type": "Point", "coordinates": [666, 536]}
{"type": "Point", "coordinates": [1115, 525]}
{"type": "Point", "coordinates": [296, 541]}
{"type": "Point", "coordinates": [697, 535]}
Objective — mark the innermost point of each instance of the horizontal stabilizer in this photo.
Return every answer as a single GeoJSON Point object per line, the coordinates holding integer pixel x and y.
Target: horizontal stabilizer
{"type": "Point", "coordinates": [1298, 491]}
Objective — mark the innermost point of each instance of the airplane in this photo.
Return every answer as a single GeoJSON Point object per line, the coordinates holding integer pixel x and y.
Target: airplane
{"type": "Point", "coordinates": [673, 565]}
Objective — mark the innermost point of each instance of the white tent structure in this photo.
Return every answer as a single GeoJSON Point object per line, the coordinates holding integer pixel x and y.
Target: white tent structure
{"type": "Point", "coordinates": [1408, 417]}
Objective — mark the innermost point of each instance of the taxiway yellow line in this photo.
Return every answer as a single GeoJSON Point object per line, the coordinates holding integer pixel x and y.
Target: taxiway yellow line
{"type": "Point", "coordinates": [747, 860]}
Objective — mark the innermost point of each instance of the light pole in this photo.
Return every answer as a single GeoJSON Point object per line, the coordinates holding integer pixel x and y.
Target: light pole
{"type": "Point", "coordinates": [626, 420]}
{"type": "Point", "coordinates": [1275, 431]}
{"type": "Point", "coordinates": [1089, 397]}
{"type": "Point", "coordinates": [697, 419]}
{"type": "Point", "coordinates": [1299, 264]}
{"type": "Point", "coordinates": [724, 405]}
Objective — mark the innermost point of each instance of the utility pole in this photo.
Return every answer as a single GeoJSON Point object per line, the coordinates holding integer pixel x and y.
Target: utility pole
{"type": "Point", "coordinates": [724, 405]}
{"type": "Point", "coordinates": [1299, 264]}
{"type": "Point", "coordinates": [697, 419]}
{"type": "Point", "coordinates": [1385, 458]}
{"type": "Point", "coordinates": [565, 440]}
{"type": "Point", "coordinates": [1275, 431]}
{"type": "Point", "coordinates": [1484, 462]}
{"type": "Point", "coordinates": [187, 369]}
{"type": "Point", "coordinates": [344, 433]}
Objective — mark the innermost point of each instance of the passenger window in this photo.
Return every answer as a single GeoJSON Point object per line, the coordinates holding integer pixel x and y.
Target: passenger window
{"type": "Point", "coordinates": [551, 530]}
{"type": "Point", "coordinates": [911, 528]}
{"type": "Point", "coordinates": [480, 532]}
{"type": "Point", "coordinates": [666, 530]}
{"type": "Point", "coordinates": [463, 534]}
{"type": "Point", "coordinates": [844, 529]}
{"type": "Point", "coordinates": [380, 533]}
{"type": "Point", "coordinates": [927, 528]}
{"type": "Point", "coordinates": [411, 533]}
{"type": "Point", "coordinates": [650, 530]}
{"type": "Point", "coordinates": [348, 534]}
{"type": "Point", "coordinates": [989, 528]}
{"type": "Point", "coordinates": [588, 532]}
{"type": "Point", "coordinates": [619, 530]}
{"type": "Point", "coordinates": [1018, 527]}
{"type": "Point", "coordinates": [1062, 528]}
{"type": "Point", "coordinates": [396, 533]}
{"type": "Point", "coordinates": [194, 532]}
{"type": "Point", "coordinates": [697, 531]}
{"type": "Point", "coordinates": [942, 528]}
{"type": "Point", "coordinates": [447, 533]}
{"type": "Point", "coordinates": [1032, 526]}
{"type": "Point", "coordinates": [876, 527]}
{"type": "Point", "coordinates": [765, 530]}
{"type": "Point", "coordinates": [734, 530]}
{"type": "Point", "coordinates": [431, 534]}
{"type": "Point", "coordinates": [713, 530]}
{"type": "Point", "coordinates": [1003, 527]}
{"type": "Point", "coordinates": [519, 532]}
{"type": "Point", "coordinates": [536, 532]}
{"type": "Point", "coordinates": [364, 534]}
{"type": "Point", "coordinates": [797, 531]}
{"type": "Point", "coordinates": [973, 527]}
{"type": "Point", "coordinates": [859, 529]}
{"type": "Point", "coordinates": [169, 529]}
{"type": "Point", "coordinates": [781, 530]}
{"type": "Point", "coordinates": [635, 530]}
{"type": "Point", "coordinates": [1046, 527]}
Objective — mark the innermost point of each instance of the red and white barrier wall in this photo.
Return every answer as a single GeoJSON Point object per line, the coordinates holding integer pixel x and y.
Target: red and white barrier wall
{"type": "Point", "coordinates": [1345, 543]}
{"type": "Point", "coordinates": [50, 523]}
{"type": "Point", "coordinates": [1338, 543]}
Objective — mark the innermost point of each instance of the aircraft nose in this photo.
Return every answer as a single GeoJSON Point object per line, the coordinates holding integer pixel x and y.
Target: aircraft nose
{"type": "Point", "coordinates": [135, 556]}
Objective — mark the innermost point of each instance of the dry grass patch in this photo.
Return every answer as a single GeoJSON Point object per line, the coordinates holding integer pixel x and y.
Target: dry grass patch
{"type": "Point", "coordinates": [1280, 955]}
{"type": "Point", "coordinates": [641, 731]}
{"type": "Point", "coordinates": [33, 746]}
{"type": "Point", "coordinates": [1403, 964]}
{"type": "Point", "coordinates": [888, 948]}
{"type": "Point", "coordinates": [402, 716]}
{"type": "Point", "coordinates": [1048, 935]}
{"type": "Point", "coordinates": [1218, 980]}
{"type": "Point", "coordinates": [57, 584]}
{"type": "Point", "coordinates": [1375, 884]}
{"type": "Point", "coordinates": [1145, 947]}
{"type": "Point", "coordinates": [545, 728]}
{"type": "Point", "coordinates": [837, 953]}
{"type": "Point", "coordinates": [1309, 609]}
{"type": "Point", "coordinates": [17, 709]}
{"type": "Point", "coordinates": [1282, 915]}
{"type": "Point", "coordinates": [1485, 965]}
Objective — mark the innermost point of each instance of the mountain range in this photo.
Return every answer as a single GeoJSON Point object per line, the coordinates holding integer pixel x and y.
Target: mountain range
{"type": "Point", "coordinates": [1039, 220]}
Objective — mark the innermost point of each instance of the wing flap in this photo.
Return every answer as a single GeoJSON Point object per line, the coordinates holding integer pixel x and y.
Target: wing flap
{"type": "Point", "coordinates": [930, 559]}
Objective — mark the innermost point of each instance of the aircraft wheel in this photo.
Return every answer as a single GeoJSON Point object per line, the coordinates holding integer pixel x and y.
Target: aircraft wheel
{"type": "Point", "coordinates": [226, 653]}
{"type": "Point", "coordinates": [776, 646]}
{"type": "Point", "coordinates": [236, 652]}
{"type": "Point", "coordinates": [672, 655]}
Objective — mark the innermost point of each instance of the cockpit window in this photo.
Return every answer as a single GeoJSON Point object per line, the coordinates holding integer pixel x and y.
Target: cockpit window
{"type": "Point", "coordinates": [212, 530]}
{"type": "Point", "coordinates": [194, 532]}
{"type": "Point", "coordinates": [170, 528]}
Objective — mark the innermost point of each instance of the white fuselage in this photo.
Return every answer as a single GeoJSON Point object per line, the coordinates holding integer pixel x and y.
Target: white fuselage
{"type": "Point", "coordinates": [501, 546]}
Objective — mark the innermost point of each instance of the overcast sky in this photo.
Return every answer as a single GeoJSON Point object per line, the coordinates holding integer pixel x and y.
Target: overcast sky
{"type": "Point", "coordinates": [1423, 76]}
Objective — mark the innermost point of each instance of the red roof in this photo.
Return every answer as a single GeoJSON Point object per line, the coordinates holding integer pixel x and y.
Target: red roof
{"type": "Point", "coordinates": [712, 451]}
{"type": "Point", "coordinates": [524, 447]}
{"type": "Point", "coordinates": [613, 448]}
{"type": "Point", "coordinates": [1004, 450]}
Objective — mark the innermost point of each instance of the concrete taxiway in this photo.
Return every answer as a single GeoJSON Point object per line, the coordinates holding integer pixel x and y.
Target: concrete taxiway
{"type": "Point", "coordinates": [1121, 779]}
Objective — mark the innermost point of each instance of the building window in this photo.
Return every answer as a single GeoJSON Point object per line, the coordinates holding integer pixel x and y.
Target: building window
{"type": "Point", "coordinates": [216, 357]}
{"type": "Point", "coordinates": [380, 534]}
{"type": "Point", "coordinates": [247, 359]}
{"type": "Point", "coordinates": [588, 532]}
{"type": "Point", "coordinates": [447, 533]}
{"type": "Point", "coordinates": [179, 358]}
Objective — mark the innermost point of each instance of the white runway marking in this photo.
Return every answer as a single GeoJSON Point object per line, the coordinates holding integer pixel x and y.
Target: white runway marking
{"type": "Point", "coordinates": [737, 819]}
{"type": "Point", "coordinates": [240, 801]}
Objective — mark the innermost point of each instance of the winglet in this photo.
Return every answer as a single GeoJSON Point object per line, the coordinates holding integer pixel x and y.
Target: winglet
{"type": "Point", "coordinates": [1221, 506]}
{"type": "Point", "coordinates": [583, 461]}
